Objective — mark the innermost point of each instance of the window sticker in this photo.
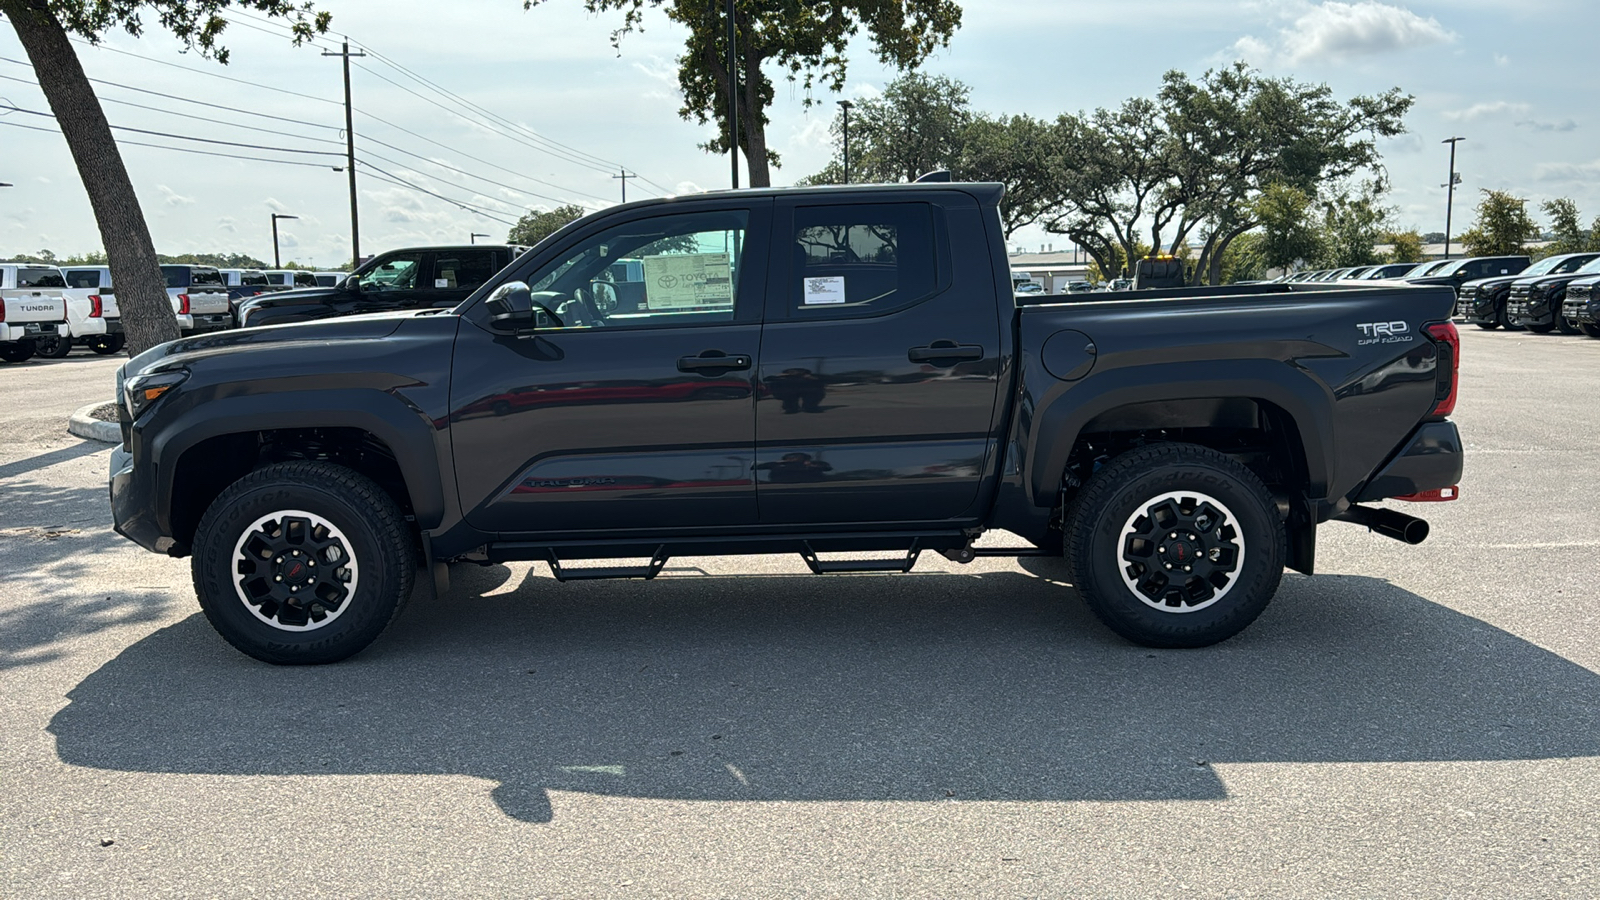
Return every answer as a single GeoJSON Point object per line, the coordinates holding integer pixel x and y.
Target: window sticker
{"type": "Point", "coordinates": [823, 291]}
{"type": "Point", "coordinates": [688, 281]}
{"type": "Point", "coordinates": [441, 282]}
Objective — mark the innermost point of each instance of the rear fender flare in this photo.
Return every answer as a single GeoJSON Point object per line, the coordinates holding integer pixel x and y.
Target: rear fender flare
{"type": "Point", "coordinates": [1068, 407]}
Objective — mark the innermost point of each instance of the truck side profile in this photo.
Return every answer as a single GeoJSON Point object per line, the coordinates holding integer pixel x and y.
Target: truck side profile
{"type": "Point", "coordinates": [821, 371]}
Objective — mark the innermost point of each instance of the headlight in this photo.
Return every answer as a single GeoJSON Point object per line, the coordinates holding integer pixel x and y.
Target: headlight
{"type": "Point", "coordinates": [140, 391]}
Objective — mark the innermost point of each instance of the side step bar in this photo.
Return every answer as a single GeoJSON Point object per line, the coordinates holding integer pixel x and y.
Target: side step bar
{"type": "Point", "coordinates": [590, 573]}
{"type": "Point", "coordinates": [832, 566]}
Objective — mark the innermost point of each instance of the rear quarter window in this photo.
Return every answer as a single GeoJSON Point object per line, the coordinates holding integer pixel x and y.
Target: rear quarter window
{"type": "Point", "coordinates": [83, 278]}
{"type": "Point", "coordinates": [40, 278]}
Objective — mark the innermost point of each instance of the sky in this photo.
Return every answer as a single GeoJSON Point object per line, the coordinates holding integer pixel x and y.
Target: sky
{"type": "Point", "coordinates": [545, 111]}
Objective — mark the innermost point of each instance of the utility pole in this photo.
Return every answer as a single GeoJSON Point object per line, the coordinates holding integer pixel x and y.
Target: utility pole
{"type": "Point", "coordinates": [733, 99]}
{"type": "Point", "coordinates": [350, 154]}
{"type": "Point", "coordinates": [1450, 191]}
{"type": "Point", "coordinates": [277, 263]}
{"type": "Point", "coordinates": [846, 105]}
{"type": "Point", "coordinates": [624, 176]}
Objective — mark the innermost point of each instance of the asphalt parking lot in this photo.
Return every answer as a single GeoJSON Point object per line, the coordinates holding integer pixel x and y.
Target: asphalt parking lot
{"type": "Point", "coordinates": [1412, 721]}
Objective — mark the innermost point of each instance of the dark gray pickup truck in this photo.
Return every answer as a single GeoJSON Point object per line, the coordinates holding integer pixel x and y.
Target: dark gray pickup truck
{"type": "Point", "coordinates": [822, 371]}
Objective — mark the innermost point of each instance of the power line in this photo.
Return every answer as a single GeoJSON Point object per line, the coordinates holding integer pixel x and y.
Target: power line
{"type": "Point", "coordinates": [453, 169]}
{"type": "Point", "coordinates": [214, 121]}
{"type": "Point", "coordinates": [162, 62]}
{"type": "Point", "coordinates": [185, 137]}
{"type": "Point", "coordinates": [385, 175]}
{"type": "Point", "coordinates": [194, 150]}
{"type": "Point", "coordinates": [129, 87]}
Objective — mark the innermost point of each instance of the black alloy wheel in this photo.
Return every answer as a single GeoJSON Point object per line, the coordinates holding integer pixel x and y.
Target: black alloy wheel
{"type": "Point", "coordinates": [1502, 318]}
{"type": "Point", "coordinates": [302, 563]}
{"type": "Point", "coordinates": [17, 351]}
{"type": "Point", "coordinates": [107, 344]}
{"type": "Point", "coordinates": [52, 346]}
{"type": "Point", "coordinates": [1176, 545]}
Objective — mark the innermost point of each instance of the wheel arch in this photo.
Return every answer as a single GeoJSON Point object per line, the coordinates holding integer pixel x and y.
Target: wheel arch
{"type": "Point", "coordinates": [212, 445]}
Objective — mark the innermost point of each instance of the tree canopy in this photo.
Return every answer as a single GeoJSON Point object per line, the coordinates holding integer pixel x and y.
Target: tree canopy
{"type": "Point", "coordinates": [1502, 226]}
{"type": "Point", "coordinates": [806, 41]}
{"type": "Point", "coordinates": [536, 225]}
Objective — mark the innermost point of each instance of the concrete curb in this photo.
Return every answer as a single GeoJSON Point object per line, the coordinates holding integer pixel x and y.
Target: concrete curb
{"type": "Point", "coordinates": [88, 427]}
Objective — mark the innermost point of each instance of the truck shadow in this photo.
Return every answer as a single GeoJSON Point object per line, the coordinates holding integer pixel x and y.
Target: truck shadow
{"type": "Point", "coordinates": [996, 686]}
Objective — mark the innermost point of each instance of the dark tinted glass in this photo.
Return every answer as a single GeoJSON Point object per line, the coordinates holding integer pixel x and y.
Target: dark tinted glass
{"type": "Point", "coordinates": [210, 277]}
{"type": "Point", "coordinates": [464, 269]}
{"type": "Point", "coordinates": [862, 258]}
{"type": "Point", "coordinates": [177, 276]}
{"type": "Point", "coordinates": [40, 278]}
{"type": "Point", "coordinates": [83, 278]}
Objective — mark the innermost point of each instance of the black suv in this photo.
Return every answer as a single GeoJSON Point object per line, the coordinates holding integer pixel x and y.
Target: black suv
{"type": "Point", "coordinates": [1461, 271]}
{"type": "Point", "coordinates": [1535, 299]}
{"type": "Point", "coordinates": [414, 278]}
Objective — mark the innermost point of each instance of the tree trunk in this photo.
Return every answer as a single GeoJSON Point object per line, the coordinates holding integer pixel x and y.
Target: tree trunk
{"type": "Point", "coordinates": [141, 290]}
{"type": "Point", "coordinates": [750, 115]}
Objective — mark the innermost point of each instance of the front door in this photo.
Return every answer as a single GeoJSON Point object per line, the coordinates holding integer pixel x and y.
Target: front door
{"type": "Point", "coordinates": [879, 363]}
{"type": "Point", "coordinates": [398, 281]}
{"type": "Point", "coordinates": [631, 406]}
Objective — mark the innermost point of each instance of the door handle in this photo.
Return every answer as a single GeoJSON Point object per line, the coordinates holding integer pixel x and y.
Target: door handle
{"type": "Point", "coordinates": [944, 353]}
{"type": "Point", "coordinates": [713, 362]}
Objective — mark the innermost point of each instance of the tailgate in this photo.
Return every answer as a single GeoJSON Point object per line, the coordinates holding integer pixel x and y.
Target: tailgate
{"type": "Point", "coordinates": [29, 305]}
{"type": "Point", "coordinates": [208, 301]}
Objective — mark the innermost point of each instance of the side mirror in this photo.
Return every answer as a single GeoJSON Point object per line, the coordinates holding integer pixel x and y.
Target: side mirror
{"type": "Point", "coordinates": [511, 305]}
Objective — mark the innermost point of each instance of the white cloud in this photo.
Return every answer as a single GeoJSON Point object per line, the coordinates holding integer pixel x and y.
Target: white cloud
{"type": "Point", "coordinates": [1334, 31]}
{"type": "Point", "coordinates": [1502, 60]}
{"type": "Point", "coordinates": [1562, 126]}
{"type": "Point", "coordinates": [174, 198]}
{"type": "Point", "coordinates": [228, 224]}
{"type": "Point", "coordinates": [1583, 172]}
{"type": "Point", "coordinates": [1484, 110]}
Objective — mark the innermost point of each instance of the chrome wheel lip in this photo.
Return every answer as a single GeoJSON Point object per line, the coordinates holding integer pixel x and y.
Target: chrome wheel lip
{"type": "Point", "coordinates": [316, 520]}
{"type": "Point", "coordinates": [1144, 509]}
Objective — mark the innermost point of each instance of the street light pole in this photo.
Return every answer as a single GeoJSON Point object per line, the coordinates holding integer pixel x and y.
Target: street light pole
{"type": "Point", "coordinates": [846, 105]}
{"type": "Point", "coordinates": [276, 262]}
{"type": "Point", "coordinates": [733, 100]}
{"type": "Point", "coordinates": [475, 235]}
{"type": "Point", "coordinates": [1450, 192]}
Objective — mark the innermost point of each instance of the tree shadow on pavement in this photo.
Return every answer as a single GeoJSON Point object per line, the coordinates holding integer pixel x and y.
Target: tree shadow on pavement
{"type": "Point", "coordinates": [994, 686]}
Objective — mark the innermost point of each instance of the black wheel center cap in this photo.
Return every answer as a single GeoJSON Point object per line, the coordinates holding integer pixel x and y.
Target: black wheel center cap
{"type": "Point", "coordinates": [1181, 553]}
{"type": "Point", "coordinates": [295, 571]}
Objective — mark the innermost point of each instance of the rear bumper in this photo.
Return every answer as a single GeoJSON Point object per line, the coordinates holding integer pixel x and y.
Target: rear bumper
{"type": "Point", "coordinates": [27, 331]}
{"type": "Point", "coordinates": [1432, 459]}
{"type": "Point", "coordinates": [204, 322]}
{"type": "Point", "coordinates": [96, 327]}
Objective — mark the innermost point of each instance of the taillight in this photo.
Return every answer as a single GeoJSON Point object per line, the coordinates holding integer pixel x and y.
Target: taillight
{"type": "Point", "coordinates": [183, 304]}
{"type": "Point", "coordinates": [96, 309]}
{"type": "Point", "coordinates": [1448, 380]}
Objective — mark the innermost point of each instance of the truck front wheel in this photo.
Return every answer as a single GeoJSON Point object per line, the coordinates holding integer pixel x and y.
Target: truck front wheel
{"type": "Point", "coordinates": [1175, 545]}
{"type": "Point", "coordinates": [301, 563]}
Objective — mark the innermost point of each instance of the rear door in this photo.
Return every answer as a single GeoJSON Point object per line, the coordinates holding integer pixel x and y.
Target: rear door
{"type": "Point", "coordinates": [457, 273]}
{"type": "Point", "coordinates": [880, 362]}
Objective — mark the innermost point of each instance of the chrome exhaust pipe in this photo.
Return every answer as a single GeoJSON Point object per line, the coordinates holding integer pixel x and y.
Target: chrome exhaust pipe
{"type": "Point", "coordinates": [1387, 522]}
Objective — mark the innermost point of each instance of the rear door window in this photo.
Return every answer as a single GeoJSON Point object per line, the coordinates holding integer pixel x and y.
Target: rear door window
{"type": "Point", "coordinates": [464, 269]}
{"type": "Point", "coordinates": [862, 259]}
{"type": "Point", "coordinates": [207, 278]}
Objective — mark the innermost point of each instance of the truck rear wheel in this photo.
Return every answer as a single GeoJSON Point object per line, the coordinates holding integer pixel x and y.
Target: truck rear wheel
{"type": "Point", "coordinates": [301, 563]}
{"type": "Point", "coordinates": [17, 351]}
{"type": "Point", "coordinates": [53, 347]}
{"type": "Point", "coordinates": [1176, 545]}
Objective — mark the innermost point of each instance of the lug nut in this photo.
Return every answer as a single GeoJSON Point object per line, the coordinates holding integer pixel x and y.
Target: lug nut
{"type": "Point", "coordinates": [292, 589]}
{"type": "Point", "coordinates": [297, 552]}
{"type": "Point", "coordinates": [312, 563]}
{"type": "Point", "coordinates": [277, 578]}
{"type": "Point", "coordinates": [1173, 535]}
{"type": "Point", "coordinates": [1185, 568]}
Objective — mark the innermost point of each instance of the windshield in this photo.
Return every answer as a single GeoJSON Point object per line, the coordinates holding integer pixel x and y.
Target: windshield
{"type": "Point", "coordinates": [1430, 268]}
{"type": "Point", "coordinates": [1574, 264]}
{"type": "Point", "coordinates": [40, 278]}
{"type": "Point", "coordinates": [1592, 267]}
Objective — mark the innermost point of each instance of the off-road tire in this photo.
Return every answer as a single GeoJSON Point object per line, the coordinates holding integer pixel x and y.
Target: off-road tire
{"type": "Point", "coordinates": [1488, 326]}
{"type": "Point", "coordinates": [1111, 502]}
{"type": "Point", "coordinates": [1591, 330]}
{"type": "Point", "coordinates": [105, 345]}
{"type": "Point", "coordinates": [1565, 325]}
{"type": "Point", "coordinates": [1503, 318]}
{"type": "Point", "coordinates": [1541, 327]}
{"type": "Point", "coordinates": [367, 521]}
{"type": "Point", "coordinates": [17, 351]}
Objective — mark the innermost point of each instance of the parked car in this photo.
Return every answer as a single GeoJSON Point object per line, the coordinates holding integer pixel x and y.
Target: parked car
{"type": "Point", "coordinates": [1535, 301]}
{"type": "Point", "coordinates": [1030, 287]}
{"type": "Point", "coordinates": [329, 279]}
{"type": "Point", "coordinates": [1457, 272]}
{"type": "Point", "coordinates": [413, 278]}
{"type": "Point", "coordinates": [1356, 274]}
{"type": "Point", "coordinates": [1484, 302]}
{"type": "Point", "coordinates": [92, 313]}
{"type": "Point", "coordinates": [200, 295]}
{"type": "Point", "coordinates": [1080, 287]}
{"type": "Point", "coordinates": [1582, 304]}
{"type": "Point", "coordinates": [1160, 441]}
{"type": "Point", "coordinates": [1390, 270]}
{"type": "Point", "coordinates": [33, 306]}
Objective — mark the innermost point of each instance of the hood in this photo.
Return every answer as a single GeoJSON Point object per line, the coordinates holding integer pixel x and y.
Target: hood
{"type": "Point", "coordinates": [186, 350]}
{"type": "Point", "coordinates": [1542, 280]}
{"type": "Point", "coordinates": [294, 297]}
{"type": "Point", "coordinates": [1497, 281]}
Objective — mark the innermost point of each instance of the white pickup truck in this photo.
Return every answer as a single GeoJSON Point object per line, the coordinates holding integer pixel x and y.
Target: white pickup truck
{"type": "Point", "coordinates": [92, 313]}
{"type": "Point", "coordinates": [198, 292]}
{"type": "Point", "coordinates": [32, 306]}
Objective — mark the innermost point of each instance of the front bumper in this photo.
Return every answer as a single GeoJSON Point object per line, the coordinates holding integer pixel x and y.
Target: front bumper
{"type": "Point", "coordinates": [1530, 310]}
{"type": "Point", "coordinates": [1432, 459]}
{"type": "Point", "coordinates": [27, 331]}
{"type": "Point", "coordinates": [1583, 309]}
{"type": "Point", "coordinates": [1476, 309]}
{"type": "Point", "coordinates": [132, 503]}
